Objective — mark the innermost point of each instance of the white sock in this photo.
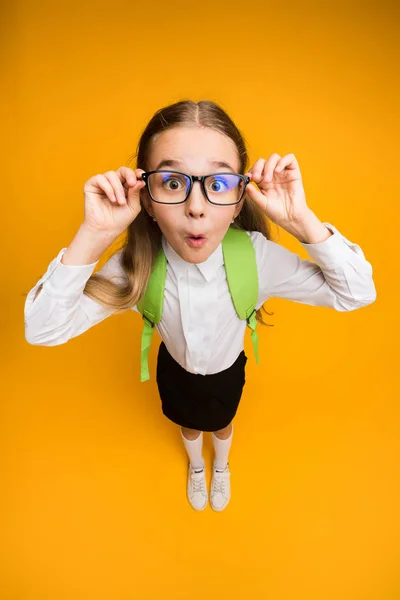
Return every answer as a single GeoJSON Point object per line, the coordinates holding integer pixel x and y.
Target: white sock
{"type": "Point", "coordinates": [194, 450]}
{"type": "Point", "coordinates": [221, 448]}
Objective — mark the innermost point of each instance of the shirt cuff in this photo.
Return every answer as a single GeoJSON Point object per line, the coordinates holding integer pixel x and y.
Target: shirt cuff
{"type": "Point", "coordinates": [332, 252]}
{"type": "Point", "coordinates": [66, 281]}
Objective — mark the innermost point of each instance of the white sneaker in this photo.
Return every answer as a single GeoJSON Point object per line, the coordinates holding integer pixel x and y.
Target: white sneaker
{"type": "Point", "coordinates": [196, 488]}
{"type": "Point", "coordinates": [220, 488]}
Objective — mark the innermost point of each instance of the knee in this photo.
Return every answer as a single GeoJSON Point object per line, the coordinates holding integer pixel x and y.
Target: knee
{"type": "Point", "coordinates": [190, 434]}
{"type": "Point", "coordinates": [224, 433]}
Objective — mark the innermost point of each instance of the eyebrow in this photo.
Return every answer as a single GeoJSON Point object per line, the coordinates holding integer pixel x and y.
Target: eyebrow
{"type": "Point", "coordinates": [220, 164]}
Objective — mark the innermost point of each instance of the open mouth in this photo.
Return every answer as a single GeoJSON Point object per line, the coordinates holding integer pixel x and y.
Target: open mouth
{"type": "Point", "coordinates": [195, 241]}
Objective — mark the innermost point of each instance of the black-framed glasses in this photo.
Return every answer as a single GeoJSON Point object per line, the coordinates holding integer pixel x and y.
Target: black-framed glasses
{"type": "Point", "coordinates": [174, 187]}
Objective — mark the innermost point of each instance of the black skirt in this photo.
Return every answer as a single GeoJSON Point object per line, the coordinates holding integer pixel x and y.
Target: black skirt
{"type": "Point", "coordinates": [203, 402]}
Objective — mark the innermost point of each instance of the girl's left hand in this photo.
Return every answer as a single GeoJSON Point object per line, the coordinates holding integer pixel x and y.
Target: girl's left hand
{"type": "Point", "coordinates": [281, 194]}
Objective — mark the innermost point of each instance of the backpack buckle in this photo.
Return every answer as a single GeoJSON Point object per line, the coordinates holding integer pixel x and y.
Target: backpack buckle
{"type": "Point", "coordinates": [148, 320]}
{"type": "Point", "coordinates": [248, 318]}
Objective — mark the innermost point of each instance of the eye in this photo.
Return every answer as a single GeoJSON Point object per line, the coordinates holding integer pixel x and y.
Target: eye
{"type": "Point", "coordinates": [174, 184]}
{"type": "Point", "coordinates": [174, 181]}
{"type": "Point", "coordinates": [218, 184]}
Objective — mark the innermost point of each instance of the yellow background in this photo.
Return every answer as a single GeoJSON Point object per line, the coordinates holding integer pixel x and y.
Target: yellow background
{"type": "Point", "coordinates": [94, 476]}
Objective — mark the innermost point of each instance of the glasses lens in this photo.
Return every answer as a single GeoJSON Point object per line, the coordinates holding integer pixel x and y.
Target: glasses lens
{"type": "Point", "coordinates": [224, 188]}
{"type": "Point", "coordinates": [168, 187]}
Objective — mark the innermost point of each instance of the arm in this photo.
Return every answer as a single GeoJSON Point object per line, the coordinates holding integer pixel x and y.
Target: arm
{"type": "Point", "coordinates": [56, 309]}
{"type": "Point", "coordinates": [340, 278]}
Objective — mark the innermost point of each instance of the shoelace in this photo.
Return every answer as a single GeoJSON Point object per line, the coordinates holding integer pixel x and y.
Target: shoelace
{"type": "Point", "coordinates": [198, 484]}
{"type": "Point", "coordinates": [219, 484]}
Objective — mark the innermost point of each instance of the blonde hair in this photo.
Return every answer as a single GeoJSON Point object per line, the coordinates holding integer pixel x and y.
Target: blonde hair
{"type": "Point", "coordinates": [143, 238]}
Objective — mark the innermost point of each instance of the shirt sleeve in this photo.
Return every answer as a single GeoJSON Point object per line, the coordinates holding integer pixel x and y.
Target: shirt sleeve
{"type": "Point", "coordinates": [340, 278]}
{"type": "Point", "coordinates": [61, 310]}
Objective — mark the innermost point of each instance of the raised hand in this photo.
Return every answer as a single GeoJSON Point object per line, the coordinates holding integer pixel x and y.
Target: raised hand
{"type": "Point", "coordinates": [281, 194]}
{"type": "Point", "coordinates": [112, 200]}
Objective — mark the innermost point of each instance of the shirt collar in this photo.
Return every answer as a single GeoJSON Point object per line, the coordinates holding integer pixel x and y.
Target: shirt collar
{"type": "Point", "coordinates": [208, 268]}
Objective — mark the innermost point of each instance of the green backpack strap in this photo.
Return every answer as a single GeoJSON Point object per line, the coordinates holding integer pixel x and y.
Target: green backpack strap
{"type": "Point", "coordinates": [151, 307]}
{"type": "Point", "coordinates": [242, 277]}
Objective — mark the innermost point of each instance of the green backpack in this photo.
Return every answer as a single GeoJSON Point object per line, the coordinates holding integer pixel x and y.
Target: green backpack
{"type": "Point", "coordinates": [241, 273]}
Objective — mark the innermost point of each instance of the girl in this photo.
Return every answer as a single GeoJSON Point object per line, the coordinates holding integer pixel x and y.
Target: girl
{"type": "Point", "coordinates": [201, 360]}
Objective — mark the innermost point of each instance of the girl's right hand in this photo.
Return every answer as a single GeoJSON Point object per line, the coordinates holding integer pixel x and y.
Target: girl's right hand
{"type": "Point", "coordinates": [112, 200]}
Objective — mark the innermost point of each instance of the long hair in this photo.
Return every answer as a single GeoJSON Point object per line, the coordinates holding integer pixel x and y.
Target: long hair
{"type": "Point", "coordinates": [143, 238]}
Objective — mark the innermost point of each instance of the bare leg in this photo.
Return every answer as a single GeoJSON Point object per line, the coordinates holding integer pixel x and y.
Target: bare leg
{"type": "Point", "coordinates": [190, 434]}
{"type": "Point", "coordinates": [224, 433]}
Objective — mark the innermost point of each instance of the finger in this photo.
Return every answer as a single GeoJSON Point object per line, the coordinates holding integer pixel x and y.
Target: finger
{"type": "Point", "coordinates": [106, 187]}
{"type": "Point", "coordinates": [256, 170]}
{"type": "Point", "coordinates": [126, 174]}
{"type": "Point", "coordinates": [269, 167]}
{"type": "Point", "coordinates": [139, 173]}
{"type": "Point", "coordinates": [288, 161]}
{"type": "Point", "coordinates": [134, 194]}
{"type": "Point", "coordinates": [256, 196]}
{"type": "Point", "coordinates": [115, 181]}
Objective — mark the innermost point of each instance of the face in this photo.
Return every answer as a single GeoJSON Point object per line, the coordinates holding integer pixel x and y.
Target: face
{"type": "Point", "coordinates": [190, 148]}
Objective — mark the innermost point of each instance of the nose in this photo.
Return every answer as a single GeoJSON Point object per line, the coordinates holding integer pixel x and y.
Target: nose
{"type": "Point", "coordinates": [196, 203]}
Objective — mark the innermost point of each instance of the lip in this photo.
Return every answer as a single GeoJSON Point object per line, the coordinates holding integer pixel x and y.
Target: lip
{"type": "Point", "coordinates": [193, 234]}
{"type": "Point", "coordinates": [195, 240]}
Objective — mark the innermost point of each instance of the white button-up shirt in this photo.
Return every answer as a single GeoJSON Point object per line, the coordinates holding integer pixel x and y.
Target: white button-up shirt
{"type": "Point", "coordinates": [199, 324]}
